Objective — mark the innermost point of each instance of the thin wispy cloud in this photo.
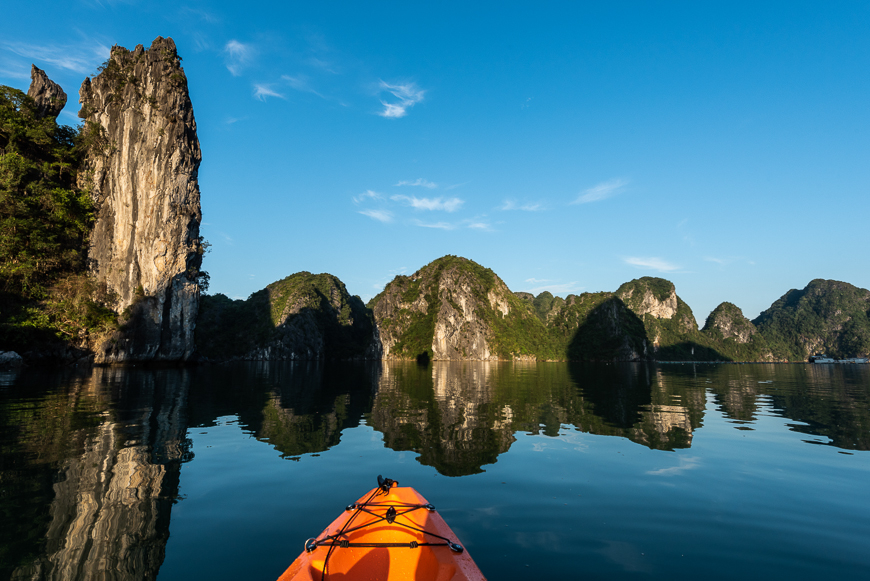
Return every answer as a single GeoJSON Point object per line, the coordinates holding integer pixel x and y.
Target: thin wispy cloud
{"type": "Point", "coordinates": [323, 65]}
{"type": "Point", "coordinates": [538, 280]}
{"type": "Point", "coordinates": [237, 56]}
{"type": "Point", "coordinates": [438, 225]}
{"type": "Point", "coordinates": [82, 58]}
{"type": "Point", "coordinates": [199, 13]}
{"type": "Point", "coordinates": [201, 42]}
{"type": "Point", "coordinates": [104, 3]}
{"type": "Point", "coordinates": [477, 225]}
{"type": "Point", "coordinates": [22, 72]}
{"type": "Point", "coordinates": [407, 96]}
{"type": "Point", "coordinates": [300, 83]}
{"type": "Point", "coordinates": [509, 205]}
{"type": "Point", "coordinates": [682, 228]}
{"type": "Point", "coordinates": [420, 182]}
{"type": "Point", "coordinates": [367, 195]}
{"type": "Point", "coordinates": [725, 261]}
{"type": "Point", "coordinates": [263, 91]}
{"type": "Point", "coordinates": [448, 205]}
{"type": "Point", "coordinates": [557, 289]}
{"type": "Point", "coordinates": [601, 191]}
{"type": "Point", "coordinates": [652, 262]}
{"type": "Point", "coordinates": [379, 215]}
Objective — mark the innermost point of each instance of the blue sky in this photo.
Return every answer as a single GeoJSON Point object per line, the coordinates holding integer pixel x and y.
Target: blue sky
{"type": "Point", "coordinates": [569, 146]}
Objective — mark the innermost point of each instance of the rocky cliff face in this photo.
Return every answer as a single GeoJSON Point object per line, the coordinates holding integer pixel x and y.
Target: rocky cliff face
{"type": "Point", "coordinates": [302, 317]}
{"type": "Point", "coordinates": [48, 96]}
{"type": "Point", "coordinates": [454, 309]}
{"type": "Point", "coordinates": [656, 297]}
{"type": "Point", "coordinates": [142, 175]}
{"type": "Point", "coordinates": [669, 322]}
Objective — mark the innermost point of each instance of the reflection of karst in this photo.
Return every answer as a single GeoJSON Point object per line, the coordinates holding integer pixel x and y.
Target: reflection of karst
{"type": "Point", "coordinates": [446, 413]}
{"type": "Point", "coordinates": [626, 400]}
{"type": "Point", "coordinates": [305, 405]}
{"type": "Point", "coordinates": [460, 416]}
{"type": "Point", "coordinates": [667, 418]}
{"type": "Point", "coordinates": [110, 513]}
{"type": "Point", "coordinates": [738, 399]}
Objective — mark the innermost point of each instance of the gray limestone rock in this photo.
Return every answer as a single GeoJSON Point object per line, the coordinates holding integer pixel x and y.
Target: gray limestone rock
{"type": "Point", "coordinates": [142, 175]}
{"type": "Point", "coordinates": [729, 320]}
{"type": "Point", "coordinates": [10, 359]}
{"type": "Point", "coordinates": [49, 97]}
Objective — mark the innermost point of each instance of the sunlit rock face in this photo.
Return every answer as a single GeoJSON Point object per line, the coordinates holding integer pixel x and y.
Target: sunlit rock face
{"type": "Point", "coordinates": [642, 300]}
{"type": "Point", "coordinates": [454, 309]}
{"type": "Point", "coordinates": [48, 96]}
{"type": "Point", "coordinates": [110, 513]}
{"type": "Point", "coordinates": [142, 174]}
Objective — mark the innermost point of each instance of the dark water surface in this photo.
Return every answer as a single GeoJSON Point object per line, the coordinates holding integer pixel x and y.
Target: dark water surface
{"type": "Point", "coordinates": [550, 471]}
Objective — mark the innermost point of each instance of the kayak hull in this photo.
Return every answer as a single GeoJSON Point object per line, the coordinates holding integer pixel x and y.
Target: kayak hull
{"type": "Point", "coordinates": [368, 526]}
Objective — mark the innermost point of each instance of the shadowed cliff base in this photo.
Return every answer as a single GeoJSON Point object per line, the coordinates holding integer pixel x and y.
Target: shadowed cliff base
{"type": "Point", "coordinates": [610, 332]}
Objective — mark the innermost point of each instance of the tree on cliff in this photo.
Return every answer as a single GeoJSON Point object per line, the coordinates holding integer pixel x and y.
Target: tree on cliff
{"type": "Point", "coordinates": [44, 219]}
{"type": "Point", "coordinates": [44, 225]}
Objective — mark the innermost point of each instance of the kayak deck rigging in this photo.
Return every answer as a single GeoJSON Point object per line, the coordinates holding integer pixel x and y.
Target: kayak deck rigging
{"type": "Point", "coordinates": [392, 533]}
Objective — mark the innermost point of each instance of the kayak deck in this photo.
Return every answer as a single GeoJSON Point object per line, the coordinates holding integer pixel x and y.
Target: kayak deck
{"type": "Point", "coordinates": [390, 533]}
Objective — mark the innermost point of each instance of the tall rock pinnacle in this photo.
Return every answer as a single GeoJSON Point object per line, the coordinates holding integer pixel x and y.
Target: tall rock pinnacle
{"type": "Point", "coordinates": [142, 174]}
{"type": "Point", "coordinates": [49, 97]}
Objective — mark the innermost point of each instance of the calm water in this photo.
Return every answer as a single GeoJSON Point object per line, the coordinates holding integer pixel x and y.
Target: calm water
{"type": "Point", "coordinates": [549, 471]}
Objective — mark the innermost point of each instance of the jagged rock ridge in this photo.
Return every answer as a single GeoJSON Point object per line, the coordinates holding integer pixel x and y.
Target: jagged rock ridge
{"type": "Point", "coordinates": [142, 176]}
{"type": "Point", "coordinates": [50, 99]}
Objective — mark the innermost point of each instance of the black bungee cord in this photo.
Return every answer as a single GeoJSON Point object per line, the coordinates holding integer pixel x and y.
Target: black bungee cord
{"type": "Point", "coordinates": [384, 485]}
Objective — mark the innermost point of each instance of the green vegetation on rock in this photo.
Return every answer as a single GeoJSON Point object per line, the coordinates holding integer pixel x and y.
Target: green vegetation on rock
{"type": "Point", "coordinates": [734, 336]}
{"type": "Point", "coordinates": [827, 316]}
{"type": "Point", "coordinates": [46, 298]}
{"type": "Point", "coordinates": [304, 316]}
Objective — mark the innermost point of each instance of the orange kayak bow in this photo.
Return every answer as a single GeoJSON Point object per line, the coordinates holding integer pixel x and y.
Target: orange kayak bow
{"type": "Point", "coordinates": [390, 533]}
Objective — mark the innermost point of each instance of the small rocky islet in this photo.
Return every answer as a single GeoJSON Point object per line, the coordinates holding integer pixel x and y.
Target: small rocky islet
{"type": "Point", "coordinates": [133, 289]}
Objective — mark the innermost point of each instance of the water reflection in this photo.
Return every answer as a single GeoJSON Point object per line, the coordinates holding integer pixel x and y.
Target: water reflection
{"type": "Point", "coordinates": [97, 467]}
{"type": "Point", "coordinates": [297, 407]}
{"type": "Point", "coordinates": [461, 416]}
{"type": "Point", "coordinates": [90, 461]}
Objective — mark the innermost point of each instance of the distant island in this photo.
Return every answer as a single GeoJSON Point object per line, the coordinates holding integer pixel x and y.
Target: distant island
{"type": "Point", "coordinates": [101, 262]}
